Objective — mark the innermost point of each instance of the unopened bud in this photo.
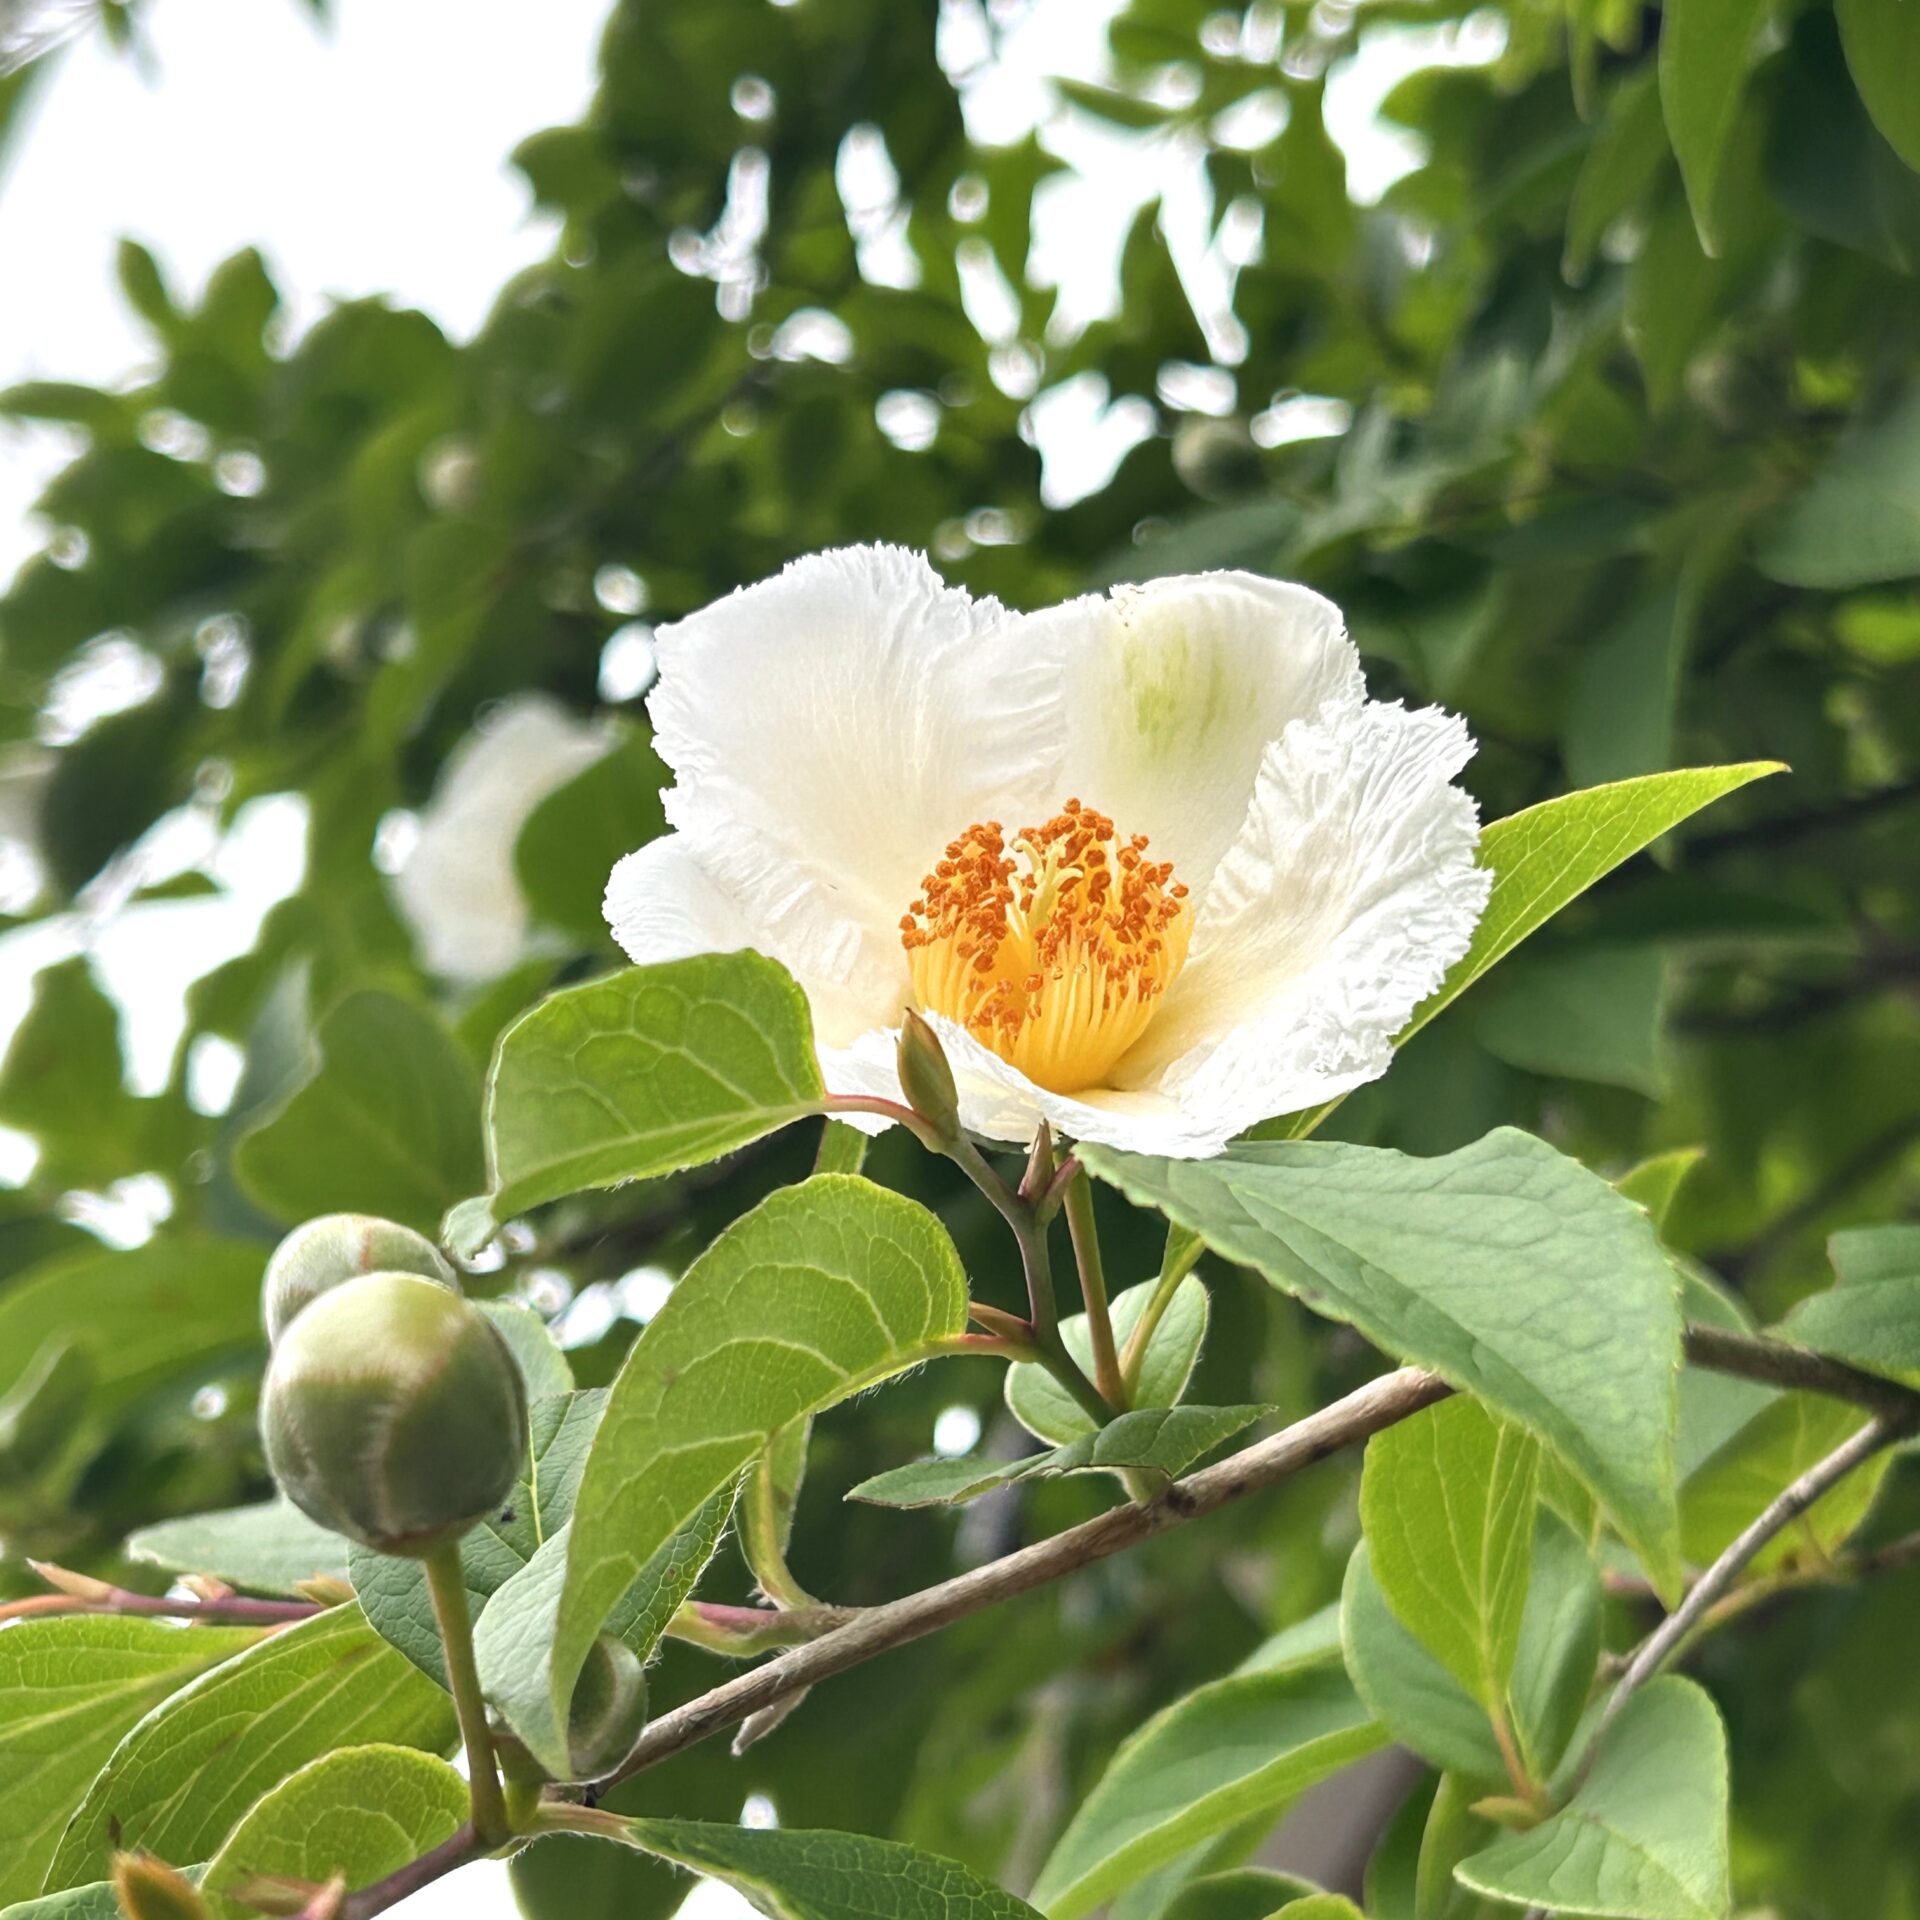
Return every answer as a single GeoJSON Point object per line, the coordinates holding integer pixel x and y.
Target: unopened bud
{"type": "Point", "coordinates": [148, 1889]}
{"type": "Point", "coordinates": [319, 1256]}
{"type": "Point", "coordinates": [608, 1710]}
{"type": "Point", "coordinates": [393, 1413]}
{"type": "Point", "coordinates": [925, 1077]}
{"type": "Point", "coordinates": [82, 1586]}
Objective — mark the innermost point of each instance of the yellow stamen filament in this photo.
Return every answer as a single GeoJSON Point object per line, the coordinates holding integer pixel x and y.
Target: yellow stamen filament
{"type": "Point", "coordinates": [1053, 948]}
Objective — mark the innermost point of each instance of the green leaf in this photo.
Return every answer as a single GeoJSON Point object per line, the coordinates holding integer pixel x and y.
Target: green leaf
{"type": "Point", "coordinates": [1320, 1906]}
{"type": "Point", "coordinates": [142, 1318]}
{"type": "Point", "coordinates": [1871, 1318]}
{"type": "Point", "coordinates": [1645, 1836]}
{"type": "Point", "coordinates": [1160, 1440]}
{"type": "Point", "coordinates": [1656, 1182]}
{"type": "Point", "coordinates": [362, 1811]}
{"type": "Point", "coordinates": [827, 1876]}
{"type": "Point", "coordinates": [572, 840]}
{"type": "Point", "coordinates": [70, 1688]}
{"type": "Point", "coordinates": [1406, 1688]}
{"type": "Point", "coordinates": [1506, 1267]}
{"type": "Point", "coordinates": [1548, 855]}
{"type": "Point", "coordinates": [269, 1548]}
{"type": "Point", "coordinates": [179, 1781]}
{"type": "Point", "coordinates": [1240, 1893]}
{"type": "Point", "coordinates": [387, 1122]}
{"type": "Point", "coordinates": [1619, 170]}
{"type": "Point", "coordinates": [1447, 1503]}
{"type": "Point", "coordinates": [1705, 50]}
{"type": "Point", "coordinates": [1234, 1747]}
{"type": "Point", "coordinates": [822, 1290]}
{"type": "Point", "coordinates": [1588, 1013]}
{"type": "Point", "coordinates": [1559, 1644]}
{"type": "Point", "coordinates": [1882, 42]}
{"type": "Point", "coordinates": [95, 1901]}
{"type": "Point", "coordinates": [1048, 1411]}
{"type": "Point", "coordinates": [1730, 1489]}
{"type": "Point", "coordinates": [644, 1073]}
{"type": "Point", "coordinates": [543, 1366]}
{"type": "Point", "coordinates": [1859, 521]}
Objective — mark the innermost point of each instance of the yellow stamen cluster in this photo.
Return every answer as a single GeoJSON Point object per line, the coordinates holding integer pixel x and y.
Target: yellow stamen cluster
{"type": "Point", "coordinates": [1051, 948]}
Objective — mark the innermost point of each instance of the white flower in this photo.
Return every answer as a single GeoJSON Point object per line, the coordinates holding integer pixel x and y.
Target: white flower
{"type": "Point", "coordinates": [912, 798]}
{"type": "Point", "coordinates": [458, 891]}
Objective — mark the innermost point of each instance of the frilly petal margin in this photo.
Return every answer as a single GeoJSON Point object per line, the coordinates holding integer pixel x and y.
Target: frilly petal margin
{"type": "Point", "coordinates": [830, 730]}
{"type": "Point", "coordinates": [1350, 892]}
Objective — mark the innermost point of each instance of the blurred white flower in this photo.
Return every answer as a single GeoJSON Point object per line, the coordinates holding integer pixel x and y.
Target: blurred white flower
{"type": "Point", "coordinates": [458, 890]}
{"type": "Point", "coordinates": [901, 794]}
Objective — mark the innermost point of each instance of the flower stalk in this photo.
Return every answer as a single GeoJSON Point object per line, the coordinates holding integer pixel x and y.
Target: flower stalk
{"type": "Point", "coordinates": [448, 1586]}
{"type": "Point", "coordinates": [1085, 1234]}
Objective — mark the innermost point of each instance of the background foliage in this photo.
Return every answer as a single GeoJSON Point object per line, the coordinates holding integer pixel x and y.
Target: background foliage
{"type": "Point", "coordinates": [1624, 465]}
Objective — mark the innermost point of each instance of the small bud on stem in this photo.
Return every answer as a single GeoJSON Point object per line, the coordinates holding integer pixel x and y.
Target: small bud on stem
{"type": "Point", "coordinates": [926, 1078]}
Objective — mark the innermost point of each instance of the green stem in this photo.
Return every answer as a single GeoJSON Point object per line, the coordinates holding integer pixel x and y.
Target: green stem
{"type": "Point", "coordinates": [448, 1586]}
{"type": "Point", "coordinates": [1085, 1234]}
{"type": "Point", "coordinates": [1183, 1251]}
{"type": "Point", "coordinates": [760, 1538]}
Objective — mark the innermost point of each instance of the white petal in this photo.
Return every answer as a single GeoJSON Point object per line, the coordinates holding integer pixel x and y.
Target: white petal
{"type": "Point", "coordinates": [998, 1102]}
{"type": "Point", "coordinates": [663, 905]}
{"type": "Point", "coordinates": [831, 730]}
{"type": "Point", "coordinates": [458, 890]}
{"type": "Point", "coordinates": [1176, 687]}
{"type": "Point", "coordinates": [1349, 893]}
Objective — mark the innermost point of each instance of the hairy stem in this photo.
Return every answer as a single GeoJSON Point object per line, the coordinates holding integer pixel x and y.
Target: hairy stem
{"type": "Point", "coordinates": [1085, 1234]}
{"type": "Point", "coordinates": [448, 1586]}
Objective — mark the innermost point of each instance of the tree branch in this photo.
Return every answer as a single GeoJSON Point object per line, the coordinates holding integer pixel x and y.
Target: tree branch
{"type": "Point", "coordinates": [1778, 1363]}
{"type": "Point", "coordinates": [1381, 1403]}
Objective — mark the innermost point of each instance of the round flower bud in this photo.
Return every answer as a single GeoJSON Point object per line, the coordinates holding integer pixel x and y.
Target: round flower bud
{"type": "Point", "coordinates": [342, 1246]}
{"type": "Point", "coordinates": [394, 1413]}
{"type": "Point", "coordinates": [608, 1709]}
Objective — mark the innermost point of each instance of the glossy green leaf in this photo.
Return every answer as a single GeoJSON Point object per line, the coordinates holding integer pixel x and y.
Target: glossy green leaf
{"type": "Point", "coordinates": [1234, 1747]}
{"type": "Point", "coordinates": [362, 1811]}
{"type": "Point", "coordinates": [1871, 1318]}
{"type": "Point", "coordinates": [1158, 1440]}
{"type": "Point", "coordinates": [1506, 1267]}
{"type": "Point", "coordinates": [1645, 1835]}
{"type": "Point", "coordinates": [179, 1781]}
{"type": "Point", "coordinates": [643, 1073]}
{"type": "Point", "coordinates": [1882, 42]}
{"type": "Point", "coordinates": [1048, 1411]}
{"type": "Point", "coordinates": [1447, 1506]}
{"type": "Point", "coordinates": [827, 1876]}
{"type": "Point", "coordinates": [1705, 49]}
{"type": "Point", "coordinates": [1859, 520]}
{"type": "Point", "coordinates": [269, 1548]}
{"type": "Point", "coordinates": [822, 1290]}
{"type": "Point", "coordinates": [70, 1688]}
{"type": "Point", "coordinates": [387, 1122]}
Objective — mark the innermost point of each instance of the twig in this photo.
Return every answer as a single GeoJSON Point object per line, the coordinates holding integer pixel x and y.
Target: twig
{"type": "Point", "coordinates": [1085, 1235]}
{"type": "Point", "coordinates": [1786, 1507]}
{"type": "Point", "coordinates": [455, 1851]}
{"type": "Point", "coordinates": [1379, 1404]}
{"type": "Point", "coordinates": [80, 1593]}
{"type": "Point", "coordinates": [1778, 1363]}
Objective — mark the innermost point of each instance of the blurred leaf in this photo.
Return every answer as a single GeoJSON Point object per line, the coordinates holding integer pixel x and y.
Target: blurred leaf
{"type": "Point", "coordinates": [1619, 170]}
{"type": "Point", "coordinates": [1882, 42]}
{"type": "Point", "coordinates": [1705, 48]}
{"type": "Point", "coordinates": [1871, 1316]}
{"type": "Point", "coordinates": [387, 1122]}
{"type": "Point", "coordinates": [269, 1548]}
{"type": "Point", "coordinates": [1585, 1013]}
{"type": "Point", "coordinates": [1859, 521]}
{"type": "Point", "coordinates": [1241, 1893]}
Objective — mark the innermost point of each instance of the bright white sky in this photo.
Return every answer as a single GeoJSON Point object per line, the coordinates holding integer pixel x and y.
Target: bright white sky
{"type": "Point", "coordinates": [370, 156]}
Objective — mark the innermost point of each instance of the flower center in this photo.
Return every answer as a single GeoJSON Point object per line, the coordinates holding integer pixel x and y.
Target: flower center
{"type": "Point", "coordinates": [1051, 949]}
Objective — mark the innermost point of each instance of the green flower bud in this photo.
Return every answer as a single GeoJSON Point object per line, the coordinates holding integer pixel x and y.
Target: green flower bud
{"type": "Point", "coordinates": [608, 1709]}
{"type": "Point", "coordinates": [342, 1246]}
{"type": "Point", "coordinates": [394, 1413]}
{"type": "Point", "coordinates": [925, 1077]}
